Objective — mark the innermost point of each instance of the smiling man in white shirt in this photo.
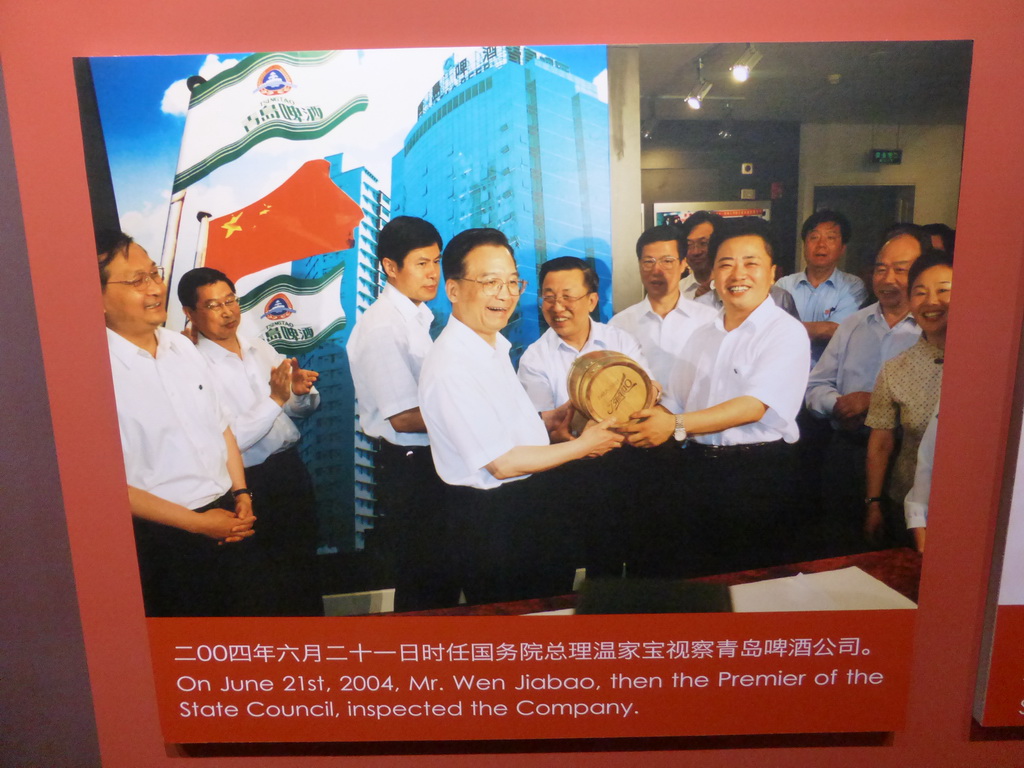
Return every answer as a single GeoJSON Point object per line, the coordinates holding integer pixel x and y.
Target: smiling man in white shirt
{"type": "Point", "coordinates": [732, 402]}
{"type": "Point", "coordinates": [186, 483]}
{"type": "Point", "coordinates": [569, 294]}
{"type": "Point", "coordinates": [261, 391]}
{"type": "Point", "coordinates": [512, 521]}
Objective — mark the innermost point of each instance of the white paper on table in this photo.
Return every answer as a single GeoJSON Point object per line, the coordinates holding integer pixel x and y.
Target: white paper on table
{"type": "Point", "coordinates": [846, 589]}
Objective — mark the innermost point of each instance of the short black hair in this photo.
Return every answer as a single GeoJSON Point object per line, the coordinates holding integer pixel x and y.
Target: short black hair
{"type": "Point", "coordinates": [698, 218]}
{"type": "Point", "coordinates": [194, 279]}
{"type": "Point", "coordinates": [946, 233]}
{"type": "Point", "coordinates": [453, 260]}
{"type": "Point", "coordinates": [566, 264]}
{"type": "Point", "coordinates": [743, 227]}
{"type": "Point", "coordinates": [110, 243]}
{"type": "Point", "coordinates": [913, 230]}
{"type": "Point", "coordinates": [932, 257]}
{"type": "Point", "coordinates": [825, 216]}
{"type": "Point", "coordinates": [403, 234]}
{"type": "Point", "coordinates": [660, 234]}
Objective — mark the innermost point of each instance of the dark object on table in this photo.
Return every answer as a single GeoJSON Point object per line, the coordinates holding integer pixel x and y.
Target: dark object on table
{"type": "Point", "coordinates": [652, 596]}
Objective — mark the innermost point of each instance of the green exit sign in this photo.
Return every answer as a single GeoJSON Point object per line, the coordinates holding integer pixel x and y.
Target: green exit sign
{"type": "Point", "coordinates": [887, 156]}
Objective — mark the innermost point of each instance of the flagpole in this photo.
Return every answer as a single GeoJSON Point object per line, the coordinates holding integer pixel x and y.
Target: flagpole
{"type": "Point", "coordinates": [201, 240]}
{"type": "Point", "coordinates": [171, 234]}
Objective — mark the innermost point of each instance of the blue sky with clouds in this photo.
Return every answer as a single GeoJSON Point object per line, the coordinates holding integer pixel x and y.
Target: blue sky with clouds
{"type": "Point", "coordinates": [143, 99]}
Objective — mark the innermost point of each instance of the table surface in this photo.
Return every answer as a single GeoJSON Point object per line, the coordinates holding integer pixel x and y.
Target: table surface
{"type": "Point", "coordinates": [898, 568]}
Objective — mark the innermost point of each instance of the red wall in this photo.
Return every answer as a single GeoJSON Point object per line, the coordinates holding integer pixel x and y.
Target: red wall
{"type": "Point", "coordinates": [37, 43]}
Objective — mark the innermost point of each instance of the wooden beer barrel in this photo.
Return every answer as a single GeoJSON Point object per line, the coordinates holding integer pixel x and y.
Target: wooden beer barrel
{"type": "Point", "coordinates": [604, 385]}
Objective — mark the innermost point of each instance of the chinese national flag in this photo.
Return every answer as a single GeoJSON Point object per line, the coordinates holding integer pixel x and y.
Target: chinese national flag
{"type": "Point", "coordinates": [305, 216]}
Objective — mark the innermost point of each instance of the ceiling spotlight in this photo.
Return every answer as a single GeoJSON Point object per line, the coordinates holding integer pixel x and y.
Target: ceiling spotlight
{"type": "Point", "coordinates": [725, 132]}
{"type": "Point", "coordinates": [696, 96]}
{"type": "Point", "coordinates": [698, 93]}
{"type": "Point", "coordinates": [745, 64]}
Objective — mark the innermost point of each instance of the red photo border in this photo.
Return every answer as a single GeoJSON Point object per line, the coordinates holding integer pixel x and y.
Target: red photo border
{"type": "Point", "coordinates": [38, 44]}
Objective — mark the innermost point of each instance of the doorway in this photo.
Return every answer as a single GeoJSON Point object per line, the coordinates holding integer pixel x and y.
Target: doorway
{"type": "Point", "coordinates": [871, 210]}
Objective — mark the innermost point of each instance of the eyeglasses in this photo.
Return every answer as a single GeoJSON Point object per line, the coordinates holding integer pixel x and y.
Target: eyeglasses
{"type": "Point", "coordinates": [700, 244]}
{"type": "Point", "coordinates": [140, 282]}
{"type": "Point", "coordinates": [565, 300]}
{"type": "Point", "coordinates": [492, 286]}
{"type": "Point", "coordinates": [666, 261]}
{"type": "Point", "coordinates": [831, 237]}
{"type": "Point", "coordinates": [231, 302]}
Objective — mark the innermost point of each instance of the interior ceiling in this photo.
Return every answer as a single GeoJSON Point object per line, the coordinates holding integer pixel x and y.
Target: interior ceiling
{"type": "Point", "coordinates": [878, 82]}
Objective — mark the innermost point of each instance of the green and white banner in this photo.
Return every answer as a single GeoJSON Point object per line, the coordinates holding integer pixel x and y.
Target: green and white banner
{"type": "Point", "coordinates": [294, 315]}
{"type": "Point", "coordinates": [292, 95]}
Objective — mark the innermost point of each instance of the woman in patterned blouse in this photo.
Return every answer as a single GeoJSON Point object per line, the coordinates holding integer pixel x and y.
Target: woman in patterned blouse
{"type": "Point", "coordinates": [905, 396]}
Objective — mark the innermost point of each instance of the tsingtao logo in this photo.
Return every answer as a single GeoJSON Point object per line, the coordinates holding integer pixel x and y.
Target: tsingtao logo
{"type": "Point", "coordinates": [278, 308]}
{"type": "Point", "coordinates": [274, 81]}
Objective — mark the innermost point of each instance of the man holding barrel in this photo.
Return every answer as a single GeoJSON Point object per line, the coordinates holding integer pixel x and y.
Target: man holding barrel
{"type": "Point", "coordinates": [731, 403]}
{"type": "Point", "coordinates": [569, 293]}
{"type": "Point", "coordinates": [489, 442]}
{"type": "Point", "coordinates": [608, 487]}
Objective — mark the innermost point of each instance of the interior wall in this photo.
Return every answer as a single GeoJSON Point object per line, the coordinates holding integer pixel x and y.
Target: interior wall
{"type": "Point", "coordinates": [836, 154]}
{"type": "Point", "coordinates": [686, 160]}
{"type": "Point", "coordinates": [624, 129]}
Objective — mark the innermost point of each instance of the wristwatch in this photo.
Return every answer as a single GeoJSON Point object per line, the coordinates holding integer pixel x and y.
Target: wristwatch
{"type": "Point", "coordinates": [680, 431]}
{"type": "Point", "coordinates": [873, 499]}
{"type": "Point", "coordinates": [240, 491]}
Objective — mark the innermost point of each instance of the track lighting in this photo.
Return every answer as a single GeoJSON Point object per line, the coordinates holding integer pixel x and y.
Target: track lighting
{"type": "Point", "coordinates": [745, 64]}
{"type": "Point", "coordinates": [700, 91]}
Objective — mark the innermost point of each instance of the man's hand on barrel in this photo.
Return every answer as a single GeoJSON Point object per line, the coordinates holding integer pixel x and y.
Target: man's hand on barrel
{"type": "Point", "coordinates": [600, 438]}
{"type": "Point", "coordinates": [649, 427]}
{"type": "Point", "coordinates": [557, 421]}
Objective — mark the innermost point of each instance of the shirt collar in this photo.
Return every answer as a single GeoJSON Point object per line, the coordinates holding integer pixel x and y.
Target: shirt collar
{"type": "Point", "coordinates": [876, 316]}
{"type": "Point", "coordinates": [406, 307]}
{"type": "Point", "coordinates": [473, 343]}
{"type": "Point", "coordinates": [761, 315]}
{"type": "Point", "coordinates": [834, 279]}
{"type": "Point", "coordinates": [591, 341]}
{"type": "Point", "coordinates": [215, 350]}
{"type": "Point", "coordinates": [683, 306]}
{"type": "Point", "coordinates": [128, 354]}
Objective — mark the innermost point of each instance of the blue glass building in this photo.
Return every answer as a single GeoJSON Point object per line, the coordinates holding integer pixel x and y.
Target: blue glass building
{"type": "Point", "coordinates": [338, 455]}
{"type": "Point", "coordinates": [509, 138]}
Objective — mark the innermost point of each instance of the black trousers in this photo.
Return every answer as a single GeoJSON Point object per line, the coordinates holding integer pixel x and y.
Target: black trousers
{"type": "Point", "coordinates": [186, 574]}
{"type": "Point", "coordinates": [280, 559]}
{"type": "Point", "coordinates": [411, 504]}
{"type": "Point", "coordinates": [517, 541]}
{"type": "Point", "coordinates": [719, 510]}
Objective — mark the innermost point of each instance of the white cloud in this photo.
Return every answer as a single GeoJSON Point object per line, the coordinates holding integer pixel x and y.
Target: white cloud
{"type": "Point", "coordinates": [147, 227]}
{"type": "Point", "coordinates": [175, 101]}
{"type": "Point", "coordinates": [601, 83]}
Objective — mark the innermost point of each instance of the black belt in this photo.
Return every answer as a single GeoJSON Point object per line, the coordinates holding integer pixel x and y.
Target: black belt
{"type": "Point", "coordinates": [386, 446]}
{"type": "Point", "coordinates": [227, 501]}
{"type": "Point", "coordinates": [717, 451]}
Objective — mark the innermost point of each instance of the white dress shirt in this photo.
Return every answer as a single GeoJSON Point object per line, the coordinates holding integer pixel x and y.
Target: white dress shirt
{"type": "Point", "coordinates": [854, 356]}
{"type": "Point", "coordinates": [915, 506]}
{"type": "Point", "coordinates": [261, 426]}
{"type": "Point", "coordinates": [663, 338]}
{"type": "Point", "coordinates": [766, 357]}
{"type": "Point", "coordinates": [544, 366]}
{"type": "Point", "coordinates": [386, 351]}
{"type": "Point", "coordinates": [171, 421]}
{"type": "Point", "coordinates": [474, 406]}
